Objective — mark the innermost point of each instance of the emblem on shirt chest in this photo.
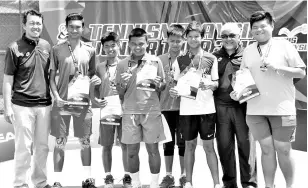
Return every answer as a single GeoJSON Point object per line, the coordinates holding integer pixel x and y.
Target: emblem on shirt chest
{"type": "Point", "coordinates": [27, 54]}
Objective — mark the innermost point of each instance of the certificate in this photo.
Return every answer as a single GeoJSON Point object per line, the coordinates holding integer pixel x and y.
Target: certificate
{"type": "Point", "coordinates": [78, 92]}
{"type": "Point", "coordinates": [244, 84]}
{"type": "Point", "coordinates": [188, 84]}
{"type": "Point", "coordinates": [112, 112]}
{"type": "Point", "coordinates": [146, 76]}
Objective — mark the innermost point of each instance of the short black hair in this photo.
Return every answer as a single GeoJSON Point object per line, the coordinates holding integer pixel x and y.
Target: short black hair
{"type": "Point", "coordinates": [176, 30]}
{"type": "Point", "coordinates": [195, 26]}
{"type": "Point", "coordinates": [31, 12]}
{"type": "Point", "coordinates": [74, 16]}
{"type": "Point", "coordinates": [110, 36]}
{"type": "Point", "coordinates": [261, 15]}
{"type": "Point", "coordinates": [138, 32]}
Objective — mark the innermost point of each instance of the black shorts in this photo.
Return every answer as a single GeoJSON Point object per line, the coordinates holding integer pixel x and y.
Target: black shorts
{"type": "Point", "coordinates": [191, 125]}
{"type": "Point", "coordinates": [107, 133]}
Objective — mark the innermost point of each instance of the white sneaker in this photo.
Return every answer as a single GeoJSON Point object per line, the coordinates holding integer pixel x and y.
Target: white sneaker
{"type": "Point", "coordinates": [188, 185]}
{"type": "Point", "coordinates": [154, 185]}
{"type": "Point", "coordinates": [136, 184]}
{"type": "Point", "coordinates": [217, 186]}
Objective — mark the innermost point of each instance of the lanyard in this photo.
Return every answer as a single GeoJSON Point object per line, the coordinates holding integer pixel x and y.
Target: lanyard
{"type": "Point", "coordinates": [266, 53]}
{"type": "Point", "coordinates": [74, 58]}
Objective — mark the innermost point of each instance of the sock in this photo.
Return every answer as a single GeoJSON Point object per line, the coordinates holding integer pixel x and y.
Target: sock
{"type": "Point", "coordinates": [87, 171]}
{"type": "Point", "coordinates": [168, 173]}
{"type": "Point", "coordinates": [126, 173]}
{"type": "Point", "coordinates": [188, 183]}
{"type": "Point", "coordinates": [155, 178]}
{"type": "Point", "coordinates": [57, 176]}
{"type": "Point", "coordinates": [135, 177]}
{"type": "Point", "coordinates": [184, 174]}
{"type": "Point", "coordinates": [108, 173]}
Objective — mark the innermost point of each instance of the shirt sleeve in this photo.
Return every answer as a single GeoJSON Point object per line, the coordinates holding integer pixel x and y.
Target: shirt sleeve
{"type": "Point", "coordinates": [292, 56]}
{"type": "Point", "coordinates": [214, 71]}
{"type": "Point", "coordinates": [10, 62]}
{"type": "Point", "coordinates": [92, 64]}
{"type": "Point", "coordinates": [53, 60]}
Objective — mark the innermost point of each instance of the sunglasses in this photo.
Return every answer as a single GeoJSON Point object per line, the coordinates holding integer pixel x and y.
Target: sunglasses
{"type": "Point", "coordinates": [231, 36]}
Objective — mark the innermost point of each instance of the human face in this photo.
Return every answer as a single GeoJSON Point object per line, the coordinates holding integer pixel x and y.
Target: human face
{"type": "Point", "coordinates": [74, 29]}
{"type": "Point", "coordinates": [262, 30]}
{"type": "Point", "coordinates": [111, 49]}
{"type": "Point", "coordinates": [138, 45]}
{"type": "Point", "coordinates": [194, 39]}
{"type": "Point", "coordinates": [33, 27]}
{"type": "Point", "coordinates": [175, 43]}
{"type": "Point", "coordinates": [229, 40]}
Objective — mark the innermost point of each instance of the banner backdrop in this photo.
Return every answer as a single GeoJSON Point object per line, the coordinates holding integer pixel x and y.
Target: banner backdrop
{"type": "Point", "coordinates": [156, 16]}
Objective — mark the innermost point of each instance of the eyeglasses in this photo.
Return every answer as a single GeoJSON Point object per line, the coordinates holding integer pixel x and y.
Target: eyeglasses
{"type": "Point", "coordinates": [231, 36]}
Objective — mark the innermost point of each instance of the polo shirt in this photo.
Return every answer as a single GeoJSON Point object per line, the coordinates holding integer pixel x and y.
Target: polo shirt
{"type": "Point", "coordinates": [227, 65]}
{"type": "Point", "coordinates": [277, 92]}
{"type": "Point", "coordinates": [61, 59]}
{"type": "Point", "coordinates": [137, 101]}
{"type": "Point", "coordinates": [28, 61]}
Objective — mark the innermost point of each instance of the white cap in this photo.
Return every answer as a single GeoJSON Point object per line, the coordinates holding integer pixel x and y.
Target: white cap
{"type": "Point", "coordinates": [232, 27]}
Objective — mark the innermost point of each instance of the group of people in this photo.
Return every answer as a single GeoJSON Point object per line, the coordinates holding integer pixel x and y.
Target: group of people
{"type": "Point", "coordinates": [31, 66]}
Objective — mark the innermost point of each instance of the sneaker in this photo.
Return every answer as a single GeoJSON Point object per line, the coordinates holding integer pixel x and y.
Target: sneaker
{"type": "Point", "coordinates": [57, 185]}
{"type": "Point", "coordinates": [108, 181]}
{"type": "Point", "coordinates": [136, 184]}
{"type": "Point", "coordinates": [22, 186]}
{"type": "Point", "coordinates": [188, 185]}
{"type": "Point", "coordinates": [167, 182]}
{"type": "Point", "coordinates": [182, 181]}
{"type": "Point", "coordinates": [88, 183]}
{"type": "Point", "coordinates": [127, 181]}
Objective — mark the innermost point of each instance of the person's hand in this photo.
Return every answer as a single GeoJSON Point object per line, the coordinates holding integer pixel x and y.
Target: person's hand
{"type": "Point", "coordinates": [173, 92]}
{"type": "Point", "coordinates": [9, 115]}
{"type": "Point", "coordinates": [233, 95]}
{"type": "Point", "coordinates": [100, 102]}
{"type": "Point", "coordinates": [157, 81]}
{"type": "Point", "coordinates": [60, 102]}
{"type": "Point", "coordinates": [125, 77]}
{"type": "Point", "coordinates": [95, 80]}
{"type": "Point", "coordinates": [204, 86]}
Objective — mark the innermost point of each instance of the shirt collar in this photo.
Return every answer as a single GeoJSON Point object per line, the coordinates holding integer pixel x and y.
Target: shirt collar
{"type": "Point", "coordinates": [29, 41]}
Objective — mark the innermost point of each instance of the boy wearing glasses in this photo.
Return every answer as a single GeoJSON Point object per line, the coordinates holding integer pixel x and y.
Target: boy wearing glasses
{"type": "Point", "coordinates": [230, 115]}
{"type": "Point", "coordinates": [74, 60]}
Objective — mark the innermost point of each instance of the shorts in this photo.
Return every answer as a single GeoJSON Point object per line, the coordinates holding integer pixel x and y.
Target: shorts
{"type": "Point", "coordinates": [60, 124]}
{"type": "Point", "coordinates": [107, 133]}
{"type": "Point", "coordinates": [281, 128]}
{"type": "Point", "coordinates": [191, 125]}
{"type": "Point", "coordinates": [138, 128]}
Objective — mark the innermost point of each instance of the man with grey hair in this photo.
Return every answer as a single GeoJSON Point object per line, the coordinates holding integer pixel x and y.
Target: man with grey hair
{"type": "Point", "coordinates": [230, 119]}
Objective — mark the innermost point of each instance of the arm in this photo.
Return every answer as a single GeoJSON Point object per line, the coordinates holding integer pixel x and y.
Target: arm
{"type": "Point", "coordinates": [120, 85]}
{"type": "Point", "coordinates": [7, 96]}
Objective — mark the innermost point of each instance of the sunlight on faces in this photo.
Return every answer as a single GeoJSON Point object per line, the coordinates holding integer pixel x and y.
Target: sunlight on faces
{"type": "Point", "coordinates": [175, 43]}
{"type": "Point", "coordinates": [138, 45]}
{"type": "Point", "coordinates": [33, 26]}
{"type": "Point", "coordinates": [194, 39]}
{"type": "Point", "coordinates": [74, 29]}
{"type": "Point", "coordinates": [262, 30]}
{"type": "Point", "coordinates": [111, 49]}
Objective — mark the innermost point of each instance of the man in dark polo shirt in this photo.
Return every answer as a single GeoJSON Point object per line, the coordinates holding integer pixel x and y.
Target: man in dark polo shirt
{"type": "Point", "coordinates": [28, 107]}
{"type": "Point", "coordinates": [230, 115]}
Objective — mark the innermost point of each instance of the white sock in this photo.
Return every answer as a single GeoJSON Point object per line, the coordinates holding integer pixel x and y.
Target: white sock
{"type": "Point", "coordinates": [108, 173]}
{"type": "Point", "coordinates": [57, 176]}
{"type": "Point", "coordinates": [155, 178]}
{"type": "Point", "coordinates": [135, 177]}
{"type": "Point", "coordinates": [168, 173]}
{"type": "Point", "coordinates": [184, 174]}
{"type": "Point", "coordinates": [127, 173]}
{"type": "Point", "coordinates": [87, 172]}
{"type": "Point", "coordinates": [188, 183]}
